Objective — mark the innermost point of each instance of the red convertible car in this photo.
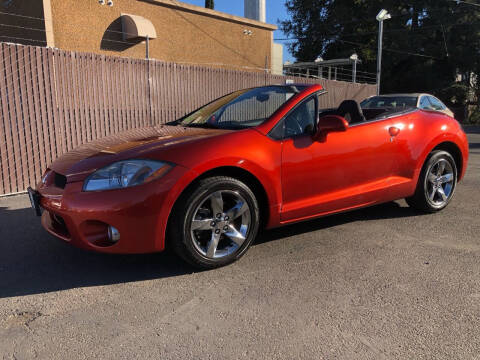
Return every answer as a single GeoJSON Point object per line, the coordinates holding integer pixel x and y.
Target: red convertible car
{"type": "Point", "coordinates": [205, 184]}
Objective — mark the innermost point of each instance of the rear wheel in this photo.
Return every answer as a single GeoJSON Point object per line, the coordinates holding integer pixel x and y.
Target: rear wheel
{"type": "Point", "coordinates": [437, 183]}
{"type": "Point", "coordinates": [214, 223]}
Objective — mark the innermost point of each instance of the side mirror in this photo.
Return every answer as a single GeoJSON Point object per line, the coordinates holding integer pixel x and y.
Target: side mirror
{"type": "Point", "coordinates": [328, 124]}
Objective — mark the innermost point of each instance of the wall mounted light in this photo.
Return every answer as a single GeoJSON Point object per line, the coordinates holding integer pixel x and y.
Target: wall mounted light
{"type": "Point", "coordinates": [110, 2]}
{"type": "Point", "coordinates": [101, 2]}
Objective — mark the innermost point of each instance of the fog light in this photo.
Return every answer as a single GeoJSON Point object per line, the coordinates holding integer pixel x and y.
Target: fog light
{"type": "Point", "coordinates": [113, 234]}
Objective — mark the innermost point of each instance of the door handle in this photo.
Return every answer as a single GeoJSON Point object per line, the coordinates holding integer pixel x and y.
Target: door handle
{"type": "Point", "coordinates": [393, 131]}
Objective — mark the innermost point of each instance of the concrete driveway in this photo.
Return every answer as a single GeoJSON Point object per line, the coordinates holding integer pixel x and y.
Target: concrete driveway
{"type": "Point", "coordinates": [380, 283]}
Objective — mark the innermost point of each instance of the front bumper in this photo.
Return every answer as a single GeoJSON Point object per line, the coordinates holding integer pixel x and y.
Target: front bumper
{"type": "Point", "coordinates": [139, 213]}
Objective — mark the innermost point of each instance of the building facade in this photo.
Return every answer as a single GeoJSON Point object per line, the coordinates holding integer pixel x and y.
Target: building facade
{"type": "Point", "coordinates": [166, 30]}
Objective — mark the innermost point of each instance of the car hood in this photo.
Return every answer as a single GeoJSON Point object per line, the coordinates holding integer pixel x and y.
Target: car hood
{"type": "Point", "coordinates": [138, 143]}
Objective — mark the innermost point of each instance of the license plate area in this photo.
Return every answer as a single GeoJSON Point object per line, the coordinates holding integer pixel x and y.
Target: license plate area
{"type": "Point", "coordinates": [35, 201]}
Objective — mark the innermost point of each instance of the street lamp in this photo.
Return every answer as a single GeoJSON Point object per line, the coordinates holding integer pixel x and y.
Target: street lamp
{"type": "Point", "coordinates": [381, 17]}
{"type": "Point", "coordinates": [354, 57]}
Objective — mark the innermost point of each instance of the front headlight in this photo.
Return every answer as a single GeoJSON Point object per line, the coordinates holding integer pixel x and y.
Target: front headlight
{"type": "Point", "coordinates": [126, 173]}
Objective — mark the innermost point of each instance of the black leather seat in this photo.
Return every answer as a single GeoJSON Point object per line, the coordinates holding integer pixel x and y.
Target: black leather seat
{"type": "Point", "coordinates": [351, 111]}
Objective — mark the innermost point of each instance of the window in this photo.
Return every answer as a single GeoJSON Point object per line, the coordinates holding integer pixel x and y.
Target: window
{"type": "Point", "coordinates": [425, 104]}
{"type": "Point", "coordinates": [241, 109]}
{"type": "Point", "coordinates": [436, 104]}
{"type": "Point", "coordinates": [377, 102]}
{"type": "Point", "coordinates": [301, 120]}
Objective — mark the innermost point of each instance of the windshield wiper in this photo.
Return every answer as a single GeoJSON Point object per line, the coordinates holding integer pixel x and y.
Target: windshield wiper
{"type": "Point", "coordinates": [203, 126]}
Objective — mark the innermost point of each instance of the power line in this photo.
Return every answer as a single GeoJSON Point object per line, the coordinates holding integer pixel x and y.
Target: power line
{"type": "Point", "coordinates": [22, 27]}
{"type": "Point", "coordinates": [391, 50]}
{"type": "Point", "coordinates": [373, 20]}
{"type": "Point", "coordinates": [429, 27]}
{"type": "Point", "coordinates": [22, 16]}
{"type": "Point", "coordinates": [339, 36]}
{"type": "Point", "coordinates": [445, 40]}
{"type": "Point", "coordinates": [423, 28]}
{"type": "Point", "coordinates": [466, 3]}
{"type": "Point", "coordinates": [333, 37]}
{"type": "Point", "coordinates": [366, 45]}
{"type": "Point", "coordinates": [133, 43]}
{"type": "Point", "coordinates": [410, 53]}
{"type": "Point", "coordinates": [42, 19]}
{"type": "Point", "coordinates": [20, 38]}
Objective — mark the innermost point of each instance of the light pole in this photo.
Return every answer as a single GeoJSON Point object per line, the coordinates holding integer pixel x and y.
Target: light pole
{"type": "Point", "coordinates": [354, 57]}
{"type": "Point", "coordinates": [381, 17]}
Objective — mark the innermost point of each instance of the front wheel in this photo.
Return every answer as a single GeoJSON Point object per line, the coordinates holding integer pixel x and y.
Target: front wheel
{"type": "Point", "coordinates": [214, 223]}
{"type": "Point", "coordinates": [437, 183]}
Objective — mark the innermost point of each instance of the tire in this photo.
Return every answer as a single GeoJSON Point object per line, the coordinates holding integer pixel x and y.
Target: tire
{"type": "Point", "coordinates": [436, 184]}
{"type": "Point", "coordinates": [209, 233]}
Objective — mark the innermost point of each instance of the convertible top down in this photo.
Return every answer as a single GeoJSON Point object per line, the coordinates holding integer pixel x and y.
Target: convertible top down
{"type": "Point", "coordinates": [264, 157]}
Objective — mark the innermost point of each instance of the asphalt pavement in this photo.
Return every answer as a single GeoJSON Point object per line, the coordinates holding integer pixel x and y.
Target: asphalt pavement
{"type": "Point", "coordinates": [380, 283]}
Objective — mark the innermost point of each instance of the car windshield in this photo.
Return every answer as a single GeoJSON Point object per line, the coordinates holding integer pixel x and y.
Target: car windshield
{"type": "Point", "coordinates": [241, 109]}
{"type": "Point", "coordinates": [389, 102]}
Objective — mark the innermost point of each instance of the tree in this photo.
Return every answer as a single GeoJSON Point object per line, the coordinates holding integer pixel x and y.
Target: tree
{"type": "Point", "coordinates": [428, 44]}
{"type": "Point", "coordinates": [210, 4]}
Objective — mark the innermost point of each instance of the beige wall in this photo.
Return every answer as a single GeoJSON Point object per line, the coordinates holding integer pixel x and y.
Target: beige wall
{"type": "Point", "coordinates": [185, 33]}
{"type": "Point", "coordinates": [277, 59]}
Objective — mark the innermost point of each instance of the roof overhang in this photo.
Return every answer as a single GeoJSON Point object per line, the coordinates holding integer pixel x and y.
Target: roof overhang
{"type": "Point", "coordinates": [135, 26]}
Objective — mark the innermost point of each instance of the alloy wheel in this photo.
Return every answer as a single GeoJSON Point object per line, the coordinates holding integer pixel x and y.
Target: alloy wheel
{"type": "Point", "coordinates": [220, 224]}
{"type": "Point", "coordinates": [440, 182]}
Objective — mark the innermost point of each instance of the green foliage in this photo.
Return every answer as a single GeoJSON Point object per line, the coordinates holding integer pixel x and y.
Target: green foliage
{"type": "Point", "coordinates": [447, 34]}
{"type": "Point", "coordinates": [475, 117]}
{"type": "Point", "coordinates": [210, 4]}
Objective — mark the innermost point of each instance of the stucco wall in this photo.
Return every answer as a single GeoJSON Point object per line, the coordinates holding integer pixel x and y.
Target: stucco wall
{"type": "Point", "coordinates": [186, 33]}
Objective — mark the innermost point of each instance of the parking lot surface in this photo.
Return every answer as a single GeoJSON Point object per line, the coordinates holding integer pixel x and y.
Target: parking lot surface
{"type": "Point", "coordinates": [379, 283]}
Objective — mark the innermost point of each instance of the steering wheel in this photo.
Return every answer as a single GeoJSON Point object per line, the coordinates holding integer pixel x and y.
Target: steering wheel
{"type": "Point", "coordinates": [212, 120]}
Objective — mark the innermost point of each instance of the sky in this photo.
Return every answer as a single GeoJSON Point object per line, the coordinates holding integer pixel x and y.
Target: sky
{"type": "Point", "coordinates": [275, 11]}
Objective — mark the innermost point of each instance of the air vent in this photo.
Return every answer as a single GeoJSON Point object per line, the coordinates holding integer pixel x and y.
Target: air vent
{"type": "Point", "coordinates": [60, 181]}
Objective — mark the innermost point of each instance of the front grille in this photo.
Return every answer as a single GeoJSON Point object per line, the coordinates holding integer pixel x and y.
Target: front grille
{"type": "Point", "coordinates": [60, 181]}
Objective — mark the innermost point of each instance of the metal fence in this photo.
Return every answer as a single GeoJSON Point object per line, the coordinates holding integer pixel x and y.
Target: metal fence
{"type": "Point", "coordinates": [52, 101]}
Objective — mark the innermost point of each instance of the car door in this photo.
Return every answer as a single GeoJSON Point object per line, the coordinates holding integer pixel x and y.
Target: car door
{"type": "Point", "coordinates": [347, 170]}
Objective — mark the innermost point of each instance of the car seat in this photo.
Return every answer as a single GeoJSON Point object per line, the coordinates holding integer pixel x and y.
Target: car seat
{"type": "Point", "coordinates": [351, 111]}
